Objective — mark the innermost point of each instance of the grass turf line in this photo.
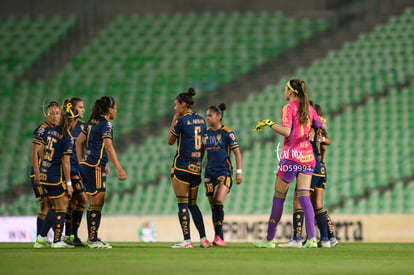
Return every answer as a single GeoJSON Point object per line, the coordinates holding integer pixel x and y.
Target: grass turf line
{"type": "Point", "coordinates": [235, 258]}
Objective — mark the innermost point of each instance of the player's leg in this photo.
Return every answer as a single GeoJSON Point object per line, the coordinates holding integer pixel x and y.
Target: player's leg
{"type": "Point", "coordinates": [320, 216]}
{"type": "Point", "coordinates": [303, 184]}
{"type": "Point", "coordinates": [220, 193]}
{"type": "Point", "coordinates": [195, 211]}
{"type": "Point", "coordinates": [209, 187]}
{"type": "Point", "coordinates": [60, 203]}
{"type": "Point", "coordinates": [68, 238]}
{"type": "Point", "coordinates": [80, 205]}
{"type": "Point", "coordinates": [281, 188]}
{"type": "Point", "coordinates": [297, 220]}
{"type": "Point", "coordinates": [181, 190]}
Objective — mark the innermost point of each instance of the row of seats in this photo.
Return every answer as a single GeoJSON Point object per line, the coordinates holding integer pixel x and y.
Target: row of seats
{"type": "Point", "coordinates": [398, 200]}
{"type": "Point", "coordinates": [138, 71]}
{"type": "Point", "coordinates": [24, 40]}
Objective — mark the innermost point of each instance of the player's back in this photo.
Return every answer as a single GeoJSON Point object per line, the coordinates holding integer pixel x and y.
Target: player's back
{"type": "Point", "coordinates": [56, 145]}
{"type": "Point", "coordinates": [97, 130]}
{"type": "Point", "coordinates": [189, 130]}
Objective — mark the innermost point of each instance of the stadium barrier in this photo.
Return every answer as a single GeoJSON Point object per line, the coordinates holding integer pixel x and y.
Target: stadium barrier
{"type": "Point", "coordinates": [349, 228]}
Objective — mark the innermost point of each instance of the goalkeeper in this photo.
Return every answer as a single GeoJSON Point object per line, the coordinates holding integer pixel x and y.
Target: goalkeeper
{"type": "Point", "coordinates": [297, 160]}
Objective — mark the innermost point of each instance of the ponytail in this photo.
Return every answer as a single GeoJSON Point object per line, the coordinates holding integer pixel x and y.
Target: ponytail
{"type": "Point", "coordinates": [299, 88]}
{"type": "Point", "coordinates": [68, 113]}
{"type": "Point", "coordinates": [187, 97]}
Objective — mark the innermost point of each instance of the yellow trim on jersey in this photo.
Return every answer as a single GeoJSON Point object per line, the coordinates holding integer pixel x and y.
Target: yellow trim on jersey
{"type": "Point", "coordinates": [318, 175]}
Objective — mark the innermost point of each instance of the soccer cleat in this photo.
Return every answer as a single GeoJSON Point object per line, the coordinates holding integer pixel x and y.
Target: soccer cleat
{"type": "Point", "coordinates": [333, 241]}
{"type": "Point", "coordinates": [204, 243]}
{"type": "Point", "coordinates": [265, 244]}
{"type": "Point", "coordinates": [77, 242]}
{"type": "Point", "coordinates": [311, 243]}
{"type": "Point", "coordinates": [98, 244]}
{"type": "Point", "coordinates": [41, 242]}
{"type": "Point", "coordinates": [184, 244]}
{"type": "Point", "coordinates": [218, 241]}
{"type": "Point", "coordinates": [291, 244]}
{"type": "Point", "coordinates": [325, 244]}
{"type": "Point", "coordinates": [61, 244]}
{"type": "Point", "coordinates": [69, 239]}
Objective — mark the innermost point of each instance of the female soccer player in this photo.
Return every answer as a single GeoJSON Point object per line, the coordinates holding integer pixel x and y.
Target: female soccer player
{"type": "Point", "coordinates": [45, 217]}
{"type": "Point", "coordinates": [55, 167]}
{"type": "Point", "coordinates": [318, 183]}
{"type": "Point", "coordinates": [297, 159]}
{"type": "Point", "coordinates": [187, 128]}
{"type": "Point", "coordinates": [78, 201]}
{"type": "Point", "coordinates": [219, 142]}
{"type": "Point", "coordinates": [98, 138]}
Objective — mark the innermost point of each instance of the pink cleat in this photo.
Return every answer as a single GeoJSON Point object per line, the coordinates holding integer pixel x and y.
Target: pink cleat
{"type": "Point", "coordinates": [218, 241]}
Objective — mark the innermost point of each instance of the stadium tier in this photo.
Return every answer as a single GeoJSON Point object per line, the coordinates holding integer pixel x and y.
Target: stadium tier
{"type": "Point", "coordinates": [370, 143]}
{"type": "Point", "coordinates": [23, 41]}
{"type": "Point", "coordinates": [142, 62]}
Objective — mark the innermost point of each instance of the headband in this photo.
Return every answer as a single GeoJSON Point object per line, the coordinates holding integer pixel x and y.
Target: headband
{"type": "Point", "coordinates": [290, 88]}
{"type": "Point", "coordinates": [218, 109]}
{"type": "Point", "coordinates": [183, 100]}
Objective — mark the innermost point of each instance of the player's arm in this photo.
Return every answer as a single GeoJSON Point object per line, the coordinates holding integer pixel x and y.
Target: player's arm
{"type": "Point", "coordinates": [34, 155]}
{"type": "Point", "coordinates": [66, 173]}
{"type": "Point", "coordinates": [79, 146]}
{"type": "Point", "coordinates": [282, 130]}
{"type": "Point", "coordinates": [110, 150]}
{"type": "Point", "coordinates": [239, 175]}
{"type": "Point", "coordinates": [171, 136]}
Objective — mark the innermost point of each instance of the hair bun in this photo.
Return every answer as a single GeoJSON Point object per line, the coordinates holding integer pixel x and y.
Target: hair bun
{"type": "Point", "coordinates": [191, 91]}
{"type": "Point", "coordinates": [222, 106]}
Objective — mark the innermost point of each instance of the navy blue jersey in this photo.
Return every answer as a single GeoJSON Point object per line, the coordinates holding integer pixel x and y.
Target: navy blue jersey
{"type": "Point", "coordinates": [218, 145]}
{"type": "Point", "coordinates": [97, 130]}
{"type": "Point", "coordinates": [76, 131]}
{"type": "Point", "coordinates": [38, 134]}
{"type": "Point", "coordinates": [189, 130]}
{"type": "Point", "coordinates": [56, 146]}
{"type": "Point", "coordinates": [318, 171]}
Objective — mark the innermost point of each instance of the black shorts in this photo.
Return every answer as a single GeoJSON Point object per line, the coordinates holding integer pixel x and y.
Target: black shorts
{"type": "Point", "coordinates": [187, 178]}
{"type": "Point", "coordinates": [78, 186]}
{"type": "Point", "coordinates": [56, 191]}
{"type": "Point", "coordinates": [94, 179]}
{"type": "Point", "coordinates": [211, 182]}
{"type": "Point", "coordinates": [39, 190]}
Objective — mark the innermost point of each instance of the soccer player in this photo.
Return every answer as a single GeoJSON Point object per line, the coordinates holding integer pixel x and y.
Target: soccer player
{"type": "Point", "coordinates": [297, 159]}
{"type": "Point", "coordinates": [45, 216]}
{"type": "Point", "coordinates": [98, 139]}
{"type": "Point", "coordinates": [78, 201]}
{"type": "Point", "coordinates": [317, 192]}
{"type": "Point", "coordinates": [188, 128]}
{"type": "Point", "coordinates": [219, 141]}
{"type": "Point", "coordinates": [55, 170]}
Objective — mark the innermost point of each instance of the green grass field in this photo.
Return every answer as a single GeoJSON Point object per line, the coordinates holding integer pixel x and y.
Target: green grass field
{"type": "Point", "coordinates": [235, 258]}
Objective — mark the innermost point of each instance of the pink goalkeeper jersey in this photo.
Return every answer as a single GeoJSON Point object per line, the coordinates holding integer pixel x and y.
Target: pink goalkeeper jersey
{"type": "Point", "coordinates": [297, 147]}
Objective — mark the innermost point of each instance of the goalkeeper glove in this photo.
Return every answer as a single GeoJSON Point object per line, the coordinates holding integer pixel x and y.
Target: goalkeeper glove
{"type": "Point", "coordinates": [265, 122]}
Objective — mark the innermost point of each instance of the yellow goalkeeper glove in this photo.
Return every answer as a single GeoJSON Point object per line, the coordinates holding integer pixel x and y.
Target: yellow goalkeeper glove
{"type": "Point", "coordinates": [264, 122]}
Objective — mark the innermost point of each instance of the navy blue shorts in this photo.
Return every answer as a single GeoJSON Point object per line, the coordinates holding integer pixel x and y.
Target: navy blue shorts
{"type": "Point", "coordinates": [78, 186]}
{"type": "Point", "coordinates": [39, 190]}
{"type": "Point", "coordinates": [319, 179]}
{"type": "Point", "coordinates": [186, 178]}
{"type": "Point", "coordinates": [94, 179]}
{"type": "Point", "coordinates": [210, 183]}
{"type": "Point", "coordinates": [56, 191]}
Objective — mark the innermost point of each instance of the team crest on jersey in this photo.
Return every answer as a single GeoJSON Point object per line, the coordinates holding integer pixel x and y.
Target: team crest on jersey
{"type": "Point", "coordinates": [40, 131]}
{"type": "Point", "coordinates": [218, 137]}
